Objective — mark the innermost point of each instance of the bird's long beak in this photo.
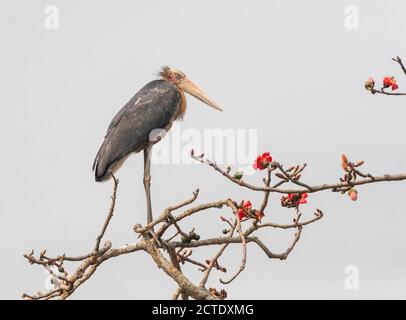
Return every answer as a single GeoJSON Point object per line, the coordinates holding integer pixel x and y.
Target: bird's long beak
{"type": "Point", "coordinates": [189, 87]}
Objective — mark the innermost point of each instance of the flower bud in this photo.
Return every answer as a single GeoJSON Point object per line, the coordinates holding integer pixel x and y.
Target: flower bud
{"type": "Point", "coordinates": [344, 158]}
{"type": "Point", "coordinates": [239, 174]}
{"type": "Point", "coordinates": [194, 236]}
{"type": "Point", "coordinates": [185, 239]}
{"type": "Point", "coordinates": [353, 194]}
{"type": "Point", "coordinates": [369, 84]}
{"type": "Point", "coordinates": [344, 166]}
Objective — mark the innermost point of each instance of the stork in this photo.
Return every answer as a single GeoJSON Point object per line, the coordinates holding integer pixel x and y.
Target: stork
{"type": "Point", "coordinates": [156, 106]}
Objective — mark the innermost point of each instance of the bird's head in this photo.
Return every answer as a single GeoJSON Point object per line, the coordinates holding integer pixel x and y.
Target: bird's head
{"type": "Point", "coordinates": [179, 79]}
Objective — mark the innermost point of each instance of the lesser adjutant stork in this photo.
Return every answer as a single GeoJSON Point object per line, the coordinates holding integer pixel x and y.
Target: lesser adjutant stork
{"type": "Point", "coordinates": [156, 106]}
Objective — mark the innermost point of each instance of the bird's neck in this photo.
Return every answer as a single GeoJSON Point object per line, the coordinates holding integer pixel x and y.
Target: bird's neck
{"type": "Point", "coordinates": [182, 106]}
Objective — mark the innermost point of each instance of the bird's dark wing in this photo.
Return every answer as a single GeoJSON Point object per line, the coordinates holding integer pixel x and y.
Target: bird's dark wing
{"type": "Point", "coordinates": [153, 107]}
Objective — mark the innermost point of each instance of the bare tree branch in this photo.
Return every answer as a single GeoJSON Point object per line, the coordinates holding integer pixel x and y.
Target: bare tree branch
{"type": "Point", "coordinates": [178, 246]}
{"type": "Point", "coordinates": [109, 216]}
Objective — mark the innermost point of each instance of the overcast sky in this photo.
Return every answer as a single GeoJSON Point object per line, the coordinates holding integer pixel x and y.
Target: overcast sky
{"type": "Point", "coordinates": [292, 72]}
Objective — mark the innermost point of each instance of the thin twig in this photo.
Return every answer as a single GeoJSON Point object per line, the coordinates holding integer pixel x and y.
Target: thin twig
{"type": "Point", "coordinates": [216, 256]}
{"type": "Point", "coordinates": [398, 60]}
{"type": "Point", "coordinates": [109, 216]}
{"type": "Point", "coordinates": [312, 189]}
{"type": "Point", "coordinates": [244, 246]}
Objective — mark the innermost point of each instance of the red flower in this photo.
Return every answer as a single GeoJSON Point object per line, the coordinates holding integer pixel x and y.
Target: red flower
{"type": "Point", "coordinates": [303, 198]}
{"type": "Point", "coordinates": [241, 213]}
{"type": "Point", "coordinates": [387, 82]}
{"type": "Point", "coordinates": [294, 199]}
{"type": "Point", "coordinates": [262, 162]}
{"type": "Point", "coordinates": [390, 82]}
{"type": "Point", "coordinates": [247, 205]}
{"type": "Point", "coordinates": [245, 210]}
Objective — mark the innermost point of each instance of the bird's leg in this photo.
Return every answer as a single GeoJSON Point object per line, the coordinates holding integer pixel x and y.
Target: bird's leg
{"type": "Point", "coordinates": [147, 181]}
{"type": "Point", "coordinates": [147, 184]}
